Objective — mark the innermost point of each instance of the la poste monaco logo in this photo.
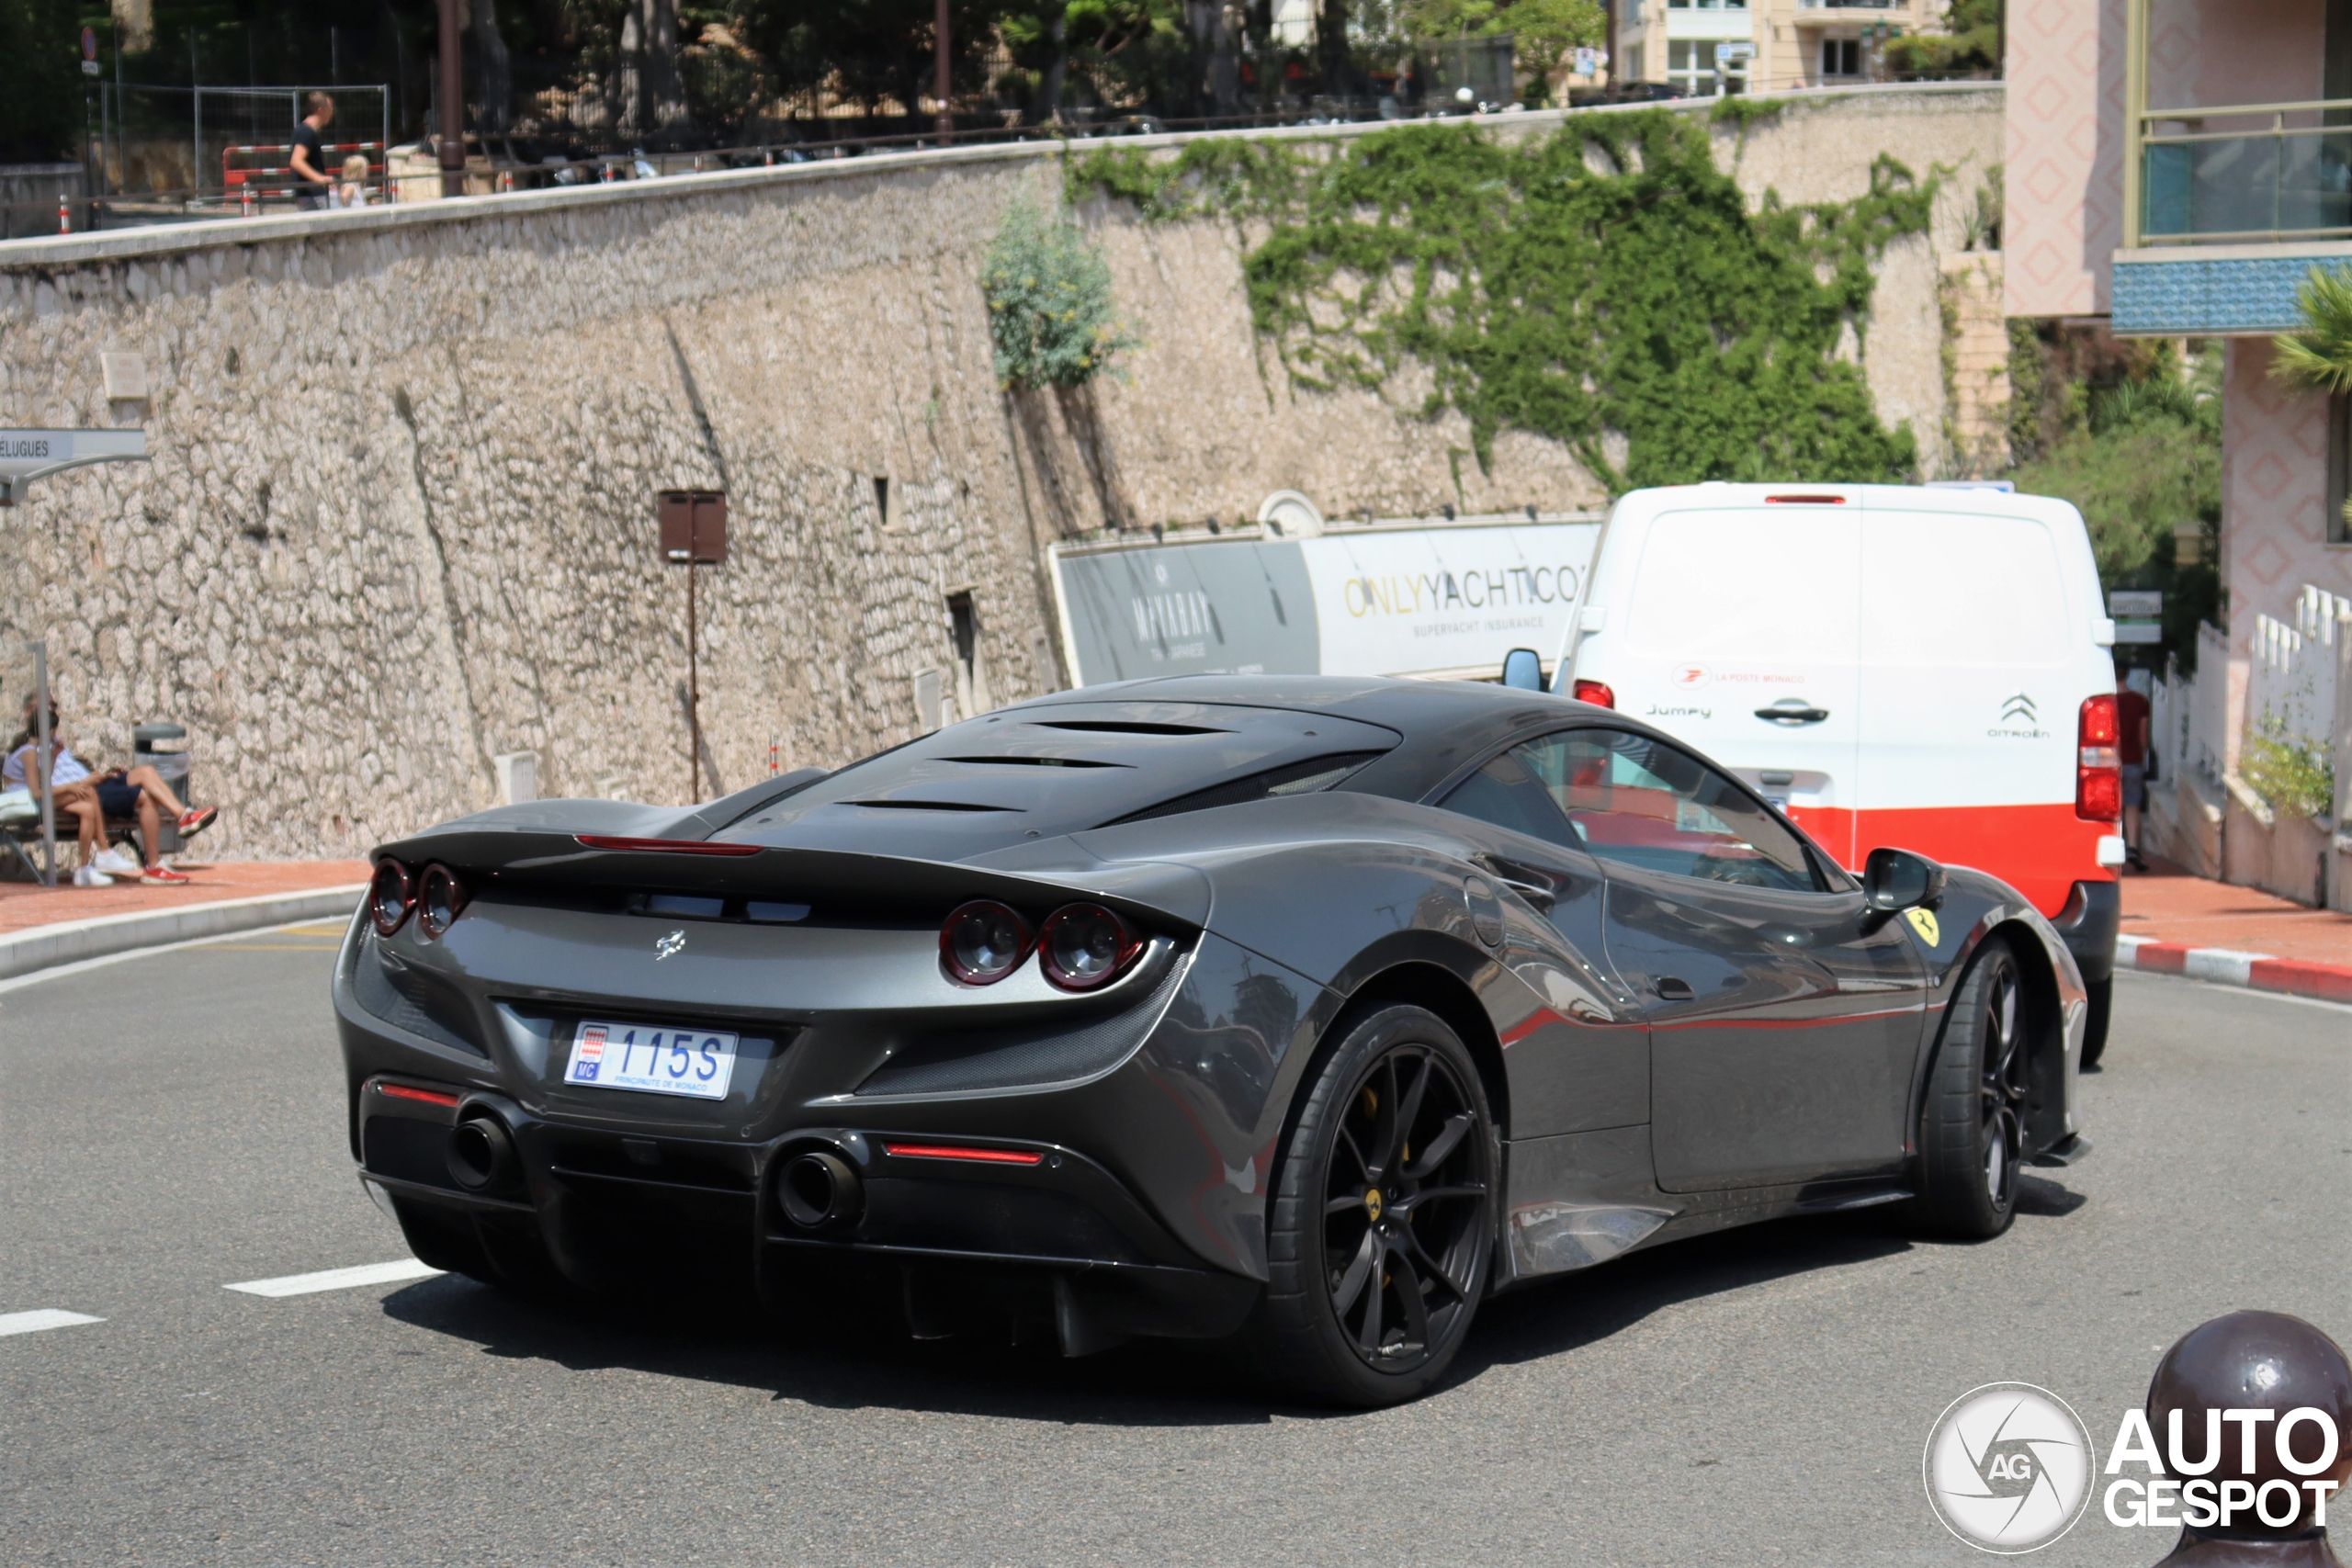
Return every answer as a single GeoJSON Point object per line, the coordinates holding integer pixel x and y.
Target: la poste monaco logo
{"type": "Point", "coordinates": [2008, 1467]}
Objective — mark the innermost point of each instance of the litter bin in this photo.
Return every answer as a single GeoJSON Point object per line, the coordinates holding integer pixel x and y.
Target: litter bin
{"type": "Point", "coordinates": [163, 747]}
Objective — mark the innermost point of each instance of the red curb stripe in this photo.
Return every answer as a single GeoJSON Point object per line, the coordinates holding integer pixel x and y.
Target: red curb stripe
{"type": "Point", "coordinates": [2327, 982]}
{"type": "Point", "coordinates": [2163, 958]}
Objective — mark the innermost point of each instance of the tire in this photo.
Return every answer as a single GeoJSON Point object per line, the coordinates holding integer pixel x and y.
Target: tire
{"type": "Point", "coordinates": [2102, 1003]}
{"type": "Point", "coordinates": [1377, 1256]}
{"type": "Point", "coordinates": [1971, 1129]}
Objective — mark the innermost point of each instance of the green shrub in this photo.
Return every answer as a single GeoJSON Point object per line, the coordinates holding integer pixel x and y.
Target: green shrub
{"type": "Point", "coordinates": [2295, 777]}
{"type": "Point", "coordinates": [1048, 293]}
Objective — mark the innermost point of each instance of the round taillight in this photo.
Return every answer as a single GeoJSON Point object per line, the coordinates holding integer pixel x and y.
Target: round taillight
{"type": "Point", "coordinates": [390, 895]}
{"type": "Point", "coordinates": [1085, 945]}
{"type": "Point", "coordinates": [983, 942]}
{"type": "Point", "coordinates": [439, 900]}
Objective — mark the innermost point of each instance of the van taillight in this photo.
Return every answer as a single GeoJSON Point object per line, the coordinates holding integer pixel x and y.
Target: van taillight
{"type": "Point", "coordinates": [2099, 765]}
{"type": "Point", "coordinates": [1597, 693]}
{"type": "Point", "coordinates": [1804, 501]}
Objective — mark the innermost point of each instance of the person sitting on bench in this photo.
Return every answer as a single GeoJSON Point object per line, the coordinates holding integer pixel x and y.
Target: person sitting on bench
{"type": "Point", "coordinates": [121, 793]}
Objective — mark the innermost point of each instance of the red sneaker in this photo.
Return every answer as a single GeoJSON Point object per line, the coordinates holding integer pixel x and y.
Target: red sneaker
{"type": "Point", "coordinates": [163, 875]}
{"type": "Point", "coordinates": [193, 821]}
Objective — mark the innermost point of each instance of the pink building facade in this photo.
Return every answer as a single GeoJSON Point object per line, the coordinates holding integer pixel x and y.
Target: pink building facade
{"type": "Point", "coordinates": [2178, 167]}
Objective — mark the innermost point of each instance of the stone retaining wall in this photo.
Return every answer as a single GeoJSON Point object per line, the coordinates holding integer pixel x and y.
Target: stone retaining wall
{"type": "Point", "coordinates": [399, 521]}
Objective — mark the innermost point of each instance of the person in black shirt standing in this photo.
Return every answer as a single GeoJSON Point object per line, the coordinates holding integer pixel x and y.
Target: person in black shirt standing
{"type": "Point", "coordinates": [312, 182]}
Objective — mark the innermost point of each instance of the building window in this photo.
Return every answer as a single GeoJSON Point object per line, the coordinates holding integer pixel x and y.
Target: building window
{"type": "Point", "coordinates": [1841, 57]}
{"type": "Point", "coordinates": [1691, 65]}
{"type": "Point", "coordinates": [2338, 531]}
{"type": "Point", "coordinates": [1706, 4]}
{"type": "Point", "coordinates": [1634, 64]}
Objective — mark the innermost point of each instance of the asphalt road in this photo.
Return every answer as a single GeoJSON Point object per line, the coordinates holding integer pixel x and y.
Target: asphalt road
{"type": "Point", "coordinates": [173, 1123]}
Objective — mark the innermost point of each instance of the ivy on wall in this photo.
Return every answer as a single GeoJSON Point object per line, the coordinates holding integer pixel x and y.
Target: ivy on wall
{"type": "Point", "coordinates": [1604, 285]}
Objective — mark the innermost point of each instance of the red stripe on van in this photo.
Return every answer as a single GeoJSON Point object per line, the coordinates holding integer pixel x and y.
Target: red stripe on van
{"type": "Point", "coordinates": [2041, 850]}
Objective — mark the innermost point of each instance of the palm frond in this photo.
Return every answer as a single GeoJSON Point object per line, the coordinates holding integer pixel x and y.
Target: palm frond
{"type": "Point", "coordinates": [2320, 357]}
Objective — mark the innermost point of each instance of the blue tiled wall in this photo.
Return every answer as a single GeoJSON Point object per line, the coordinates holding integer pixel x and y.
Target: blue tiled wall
{"type": "Point", "coordinates": [2215, 295]}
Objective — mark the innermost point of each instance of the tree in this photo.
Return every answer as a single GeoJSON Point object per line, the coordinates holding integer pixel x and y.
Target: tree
{"type": "Point", "coordinates": [2131, 433]}
{"type": "Point", "coordinates": [652, 98]}
{"type": "Point", "coordinates": [40, 114]}
{"type": "Point", "coordinates": [1970, 43]}
{"type": "Point", "coordinates": [1541, 30]}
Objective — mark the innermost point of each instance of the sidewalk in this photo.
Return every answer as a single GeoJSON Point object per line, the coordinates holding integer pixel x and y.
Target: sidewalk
{"type": "Point", "coordinates": [24, 906]}
{"type": "Point", "coordinates": [2178, 924]}
{"type": "Point", "coordinates": [46, 927]}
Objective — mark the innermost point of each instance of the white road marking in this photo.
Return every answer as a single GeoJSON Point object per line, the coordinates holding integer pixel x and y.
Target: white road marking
{"type": "Point", "coordinates": [337, 1279]}
{"type": "Point", "coordinates": [83, 966]}
{"type": "Point", "coordinates": [47, 1317]}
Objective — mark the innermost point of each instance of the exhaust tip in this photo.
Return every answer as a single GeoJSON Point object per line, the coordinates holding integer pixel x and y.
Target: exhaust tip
{"type": "Point", "coordinates": [818, 1190]}
{"type": "Point", "coordinates": [481, 1153]}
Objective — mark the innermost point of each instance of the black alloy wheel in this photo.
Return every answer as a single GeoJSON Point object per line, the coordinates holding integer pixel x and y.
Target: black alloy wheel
{"type": "Point", "coordinates": [2001, 1086]}
{"type": "Point", "coordinates": [1382, 1223]}
{"type": "Point", "coordinates": [1971, 1134]}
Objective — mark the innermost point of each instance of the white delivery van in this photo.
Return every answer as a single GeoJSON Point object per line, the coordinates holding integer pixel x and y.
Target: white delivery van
{"type": "Point", "coordinates": [1923, 668]}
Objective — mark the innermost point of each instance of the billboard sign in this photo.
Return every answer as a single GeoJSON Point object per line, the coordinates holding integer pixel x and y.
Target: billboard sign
{"type": "Point", "coordinates": [1367, 601]}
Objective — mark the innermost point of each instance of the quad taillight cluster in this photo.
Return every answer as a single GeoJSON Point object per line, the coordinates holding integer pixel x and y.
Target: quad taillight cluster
{"type": "Point", "coordinates": [2099, 760]}
{"type": "Point", "coordinates": [1597, 693]}
{"type": "Point", "coordinates": [1081, 947]}
{"type": "Point", "coordinates": [435, 896]}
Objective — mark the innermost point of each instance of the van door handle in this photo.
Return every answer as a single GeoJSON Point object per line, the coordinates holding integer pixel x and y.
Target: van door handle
{"type": "Point", "coordinates": [1789, 710]}
{"type": "Point", "coordinates": [1671, 990]}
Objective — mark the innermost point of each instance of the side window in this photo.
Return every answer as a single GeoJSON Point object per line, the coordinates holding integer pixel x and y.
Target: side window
{"type": "Point", "coordinates": [1633, 800]}
{"type": "Point", "coordinates": [1508, 795]}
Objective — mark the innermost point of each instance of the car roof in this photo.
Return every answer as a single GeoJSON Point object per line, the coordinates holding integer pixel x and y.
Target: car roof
{"type": "Point", "coordinates": [1446, 725]}
{"type": "Point", "coordinates": [1083, 758]}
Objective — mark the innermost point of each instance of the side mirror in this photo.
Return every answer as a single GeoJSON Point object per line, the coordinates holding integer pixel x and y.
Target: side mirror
{"type": "Point", "coordinates": [1896, 880]}
{"type": "Point", "coordinates": [1524, 669]}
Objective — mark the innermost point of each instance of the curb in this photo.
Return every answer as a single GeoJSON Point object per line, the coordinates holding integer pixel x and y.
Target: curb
{"type": "Point", "coordinates": [2227, 967]}
{"type": "Point", "coordinates": [101, 936]}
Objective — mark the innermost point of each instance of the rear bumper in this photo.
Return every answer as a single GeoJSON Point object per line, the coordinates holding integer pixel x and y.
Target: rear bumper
{"type": "Point", "coordinates": [2089, 923]}
{"type": "Point", "coordinates": [1041, 1229]}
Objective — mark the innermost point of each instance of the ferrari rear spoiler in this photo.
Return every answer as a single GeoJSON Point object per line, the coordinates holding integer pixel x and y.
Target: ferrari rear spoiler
{"type": "Point", "coordinates": [604, 845]}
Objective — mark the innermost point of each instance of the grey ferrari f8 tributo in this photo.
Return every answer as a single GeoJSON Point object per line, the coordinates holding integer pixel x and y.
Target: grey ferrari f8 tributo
{"type": "Point", "coordinates": [1299, 1013]}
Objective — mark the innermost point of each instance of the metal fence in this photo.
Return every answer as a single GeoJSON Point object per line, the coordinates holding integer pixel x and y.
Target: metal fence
{"type": "Point", "coordinates": [172, 146]}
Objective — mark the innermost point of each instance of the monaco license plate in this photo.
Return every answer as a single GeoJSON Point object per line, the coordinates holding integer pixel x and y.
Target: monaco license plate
{"type": "Point", "coordinates": [651, 1059]}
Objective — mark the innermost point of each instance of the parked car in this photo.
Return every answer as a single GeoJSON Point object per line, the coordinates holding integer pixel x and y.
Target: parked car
{"type": "Point", "coordinates": [1304, 1011]}
{"type": "Point", "coordinates": [1910, 666]}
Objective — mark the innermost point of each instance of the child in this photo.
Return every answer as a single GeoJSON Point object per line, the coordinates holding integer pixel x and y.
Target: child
{"type": "Point", "coordinates": [353, 190]}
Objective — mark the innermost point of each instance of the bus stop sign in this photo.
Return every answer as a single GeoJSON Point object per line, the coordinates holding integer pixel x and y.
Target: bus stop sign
{"type": "Point", "coordinates": [30, 455]}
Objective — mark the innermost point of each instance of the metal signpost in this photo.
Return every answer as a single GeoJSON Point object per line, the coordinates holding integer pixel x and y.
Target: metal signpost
{"type": "Point", "coordinates": [37, 775]}
{"type": "Point", "coordinates": [27, 455]}
{"type": "Point", "coordinates": [694, 533]}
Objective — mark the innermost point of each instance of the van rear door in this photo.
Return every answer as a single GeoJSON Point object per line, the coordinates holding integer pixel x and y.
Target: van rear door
{"type": "Point", "coordinates": [1740, 638]}
{"type": "Point", "coordinates": [1973, 662]}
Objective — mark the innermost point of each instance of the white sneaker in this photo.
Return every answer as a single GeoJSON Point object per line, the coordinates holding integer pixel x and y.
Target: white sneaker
{"type": "Point", "coordinates": [91, 877]}
{"type": "Point", "coordinates": [114, 862]}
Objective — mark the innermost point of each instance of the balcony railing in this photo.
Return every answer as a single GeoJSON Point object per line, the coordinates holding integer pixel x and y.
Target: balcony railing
{"type": "Point", "coordinates": [2246, 172]}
